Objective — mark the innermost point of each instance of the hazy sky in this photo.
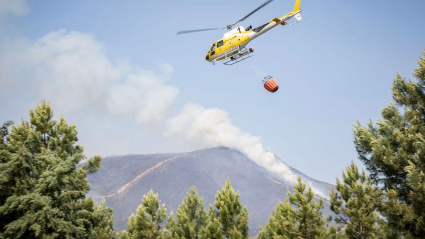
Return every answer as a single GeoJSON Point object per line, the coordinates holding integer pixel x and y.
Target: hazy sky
{"type": "Point", "coordinates": [117, 70]}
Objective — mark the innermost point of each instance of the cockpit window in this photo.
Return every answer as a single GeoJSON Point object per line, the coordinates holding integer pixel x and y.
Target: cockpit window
{"type": "Point", "coordinates": [213, 47]}
{"type": "Point", "coordinates": [220, 43]}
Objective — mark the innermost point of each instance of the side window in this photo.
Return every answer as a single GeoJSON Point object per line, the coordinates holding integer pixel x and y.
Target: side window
{"type": "Point", "coordinates": [213, 47]}
{"type": "Point", "coordinates": [220, 43]}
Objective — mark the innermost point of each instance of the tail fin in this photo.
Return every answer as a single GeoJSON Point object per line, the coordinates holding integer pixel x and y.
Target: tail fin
{"type": "Point", "coordinates": [297, 6]}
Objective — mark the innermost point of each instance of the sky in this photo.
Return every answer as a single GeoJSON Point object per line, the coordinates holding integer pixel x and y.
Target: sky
{"type": "Point", "coordinates": [118, 71]}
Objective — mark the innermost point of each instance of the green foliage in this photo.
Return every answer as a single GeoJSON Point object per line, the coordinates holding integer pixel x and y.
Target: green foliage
{"type": "Point", "coordinates": [213, 229]}
{"type": "Point", "coordinates": [232, 216]}
{"type": "Point", "coordinates": [121, 235]}
{"type": "Point", "coordinates": [281, 223]}
{"type": "Point", "coordinates": [386, 231]}
{"type": "Point", "coordinates": [4, 132]}
{"type": "Point", "coordinates": [355, 204]}
{"type": "Point", "coordinates": [228, 219]}
{"type": "Point", "coordinates": [42, 191]}
{"type": "Point", "coordinates": [393, 151]}
{"type": "Point", "coordinates": [146, 223]}
{"type": "Point", "coordinates": [191, 217]}
{"type": "Point", "coordinates": [299, 216]}
{"type": "Point", "coordinates": [337, 232]}
{"type": "Point", "coordinates": [105, 216]}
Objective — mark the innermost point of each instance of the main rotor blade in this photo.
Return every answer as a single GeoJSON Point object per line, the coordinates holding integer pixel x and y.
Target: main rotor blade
{"type": "Point", "coordinates": [199, 30]}
{"type": "Point", "coordinates": [258, 8]}
{"type": "Point", "coordinates": [229, 27]}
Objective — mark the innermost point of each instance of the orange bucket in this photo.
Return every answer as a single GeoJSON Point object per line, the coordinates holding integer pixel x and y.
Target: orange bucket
{"type": "Point", "coordinates": [271, 85]}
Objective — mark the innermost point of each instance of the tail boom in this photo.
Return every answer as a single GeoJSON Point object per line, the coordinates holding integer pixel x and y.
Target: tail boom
{"type": "Point", "coordinates": [278, 21]}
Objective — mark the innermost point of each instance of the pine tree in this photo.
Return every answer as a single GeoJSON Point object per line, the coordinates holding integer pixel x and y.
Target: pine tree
{"type": "Point", "coordinates": [42, 191]}
{"type": "Point", "coordinates": [213, 228]}
{"type": "Point", "coordinates": [299, 216]}
{"type": "Point", "coordinates": [146, 223]}
{"type": "Point", "coordinates": [281, 223]}
{"type": "Point", "coordinates": [172, 230]}
{"type": "Point", "coordinates": [191, 217]}
{"type": "Point", "coordinates": [393, 151]}
{"type": "Point", "coordinates": [4, 155]}
{"type": "Point", "coordinates": [356, 203]}
{"type": "Point", "coordinates": [106, 218]}
{"type": "Point", "coordinates": [230, 213]}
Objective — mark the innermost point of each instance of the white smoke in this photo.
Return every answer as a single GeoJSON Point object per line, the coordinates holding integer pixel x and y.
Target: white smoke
{"type": "Point", "coordinates": [143, 96]}
{"type": "Point", "coordinates": [214, 127]}
{"type": "Point", "coordinates": [72, 70]}
{"type": "Point", "coordinates": [15, 7]}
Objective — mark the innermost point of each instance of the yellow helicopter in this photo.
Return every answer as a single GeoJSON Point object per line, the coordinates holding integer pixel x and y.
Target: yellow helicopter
{"type": "Point", "coordinates": [232, 47]}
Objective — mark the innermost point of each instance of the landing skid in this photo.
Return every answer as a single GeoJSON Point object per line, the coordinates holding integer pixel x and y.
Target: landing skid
{"type": "Point", "coordinates": [232, 62]}
{"type": "Point", "coordinates": [240, 56]}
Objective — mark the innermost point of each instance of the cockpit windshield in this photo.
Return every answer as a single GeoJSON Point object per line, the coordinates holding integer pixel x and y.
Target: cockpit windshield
{"type": "Point", "coordinates": [213, 47]}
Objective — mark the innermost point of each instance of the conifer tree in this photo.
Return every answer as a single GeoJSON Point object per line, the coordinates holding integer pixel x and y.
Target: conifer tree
{"type": "Point", "coordinates": [191, 217]}
{"type": "Point", "coordinates": [356, 203]}
{"type": "Point", "coordinates": [4, 194]}
{"type": "Point", "coordinates": [299, 216]}
{"type": "Point", "coordinates": [106, 218]}
{"type": "Point", "coordinates": [228, 219]}
{"type": "Point", "coordinates": [232, 216]}
{"type": "Point", "coordinates": [281, 222]}
{"type": "Point", "coordinates": [42, 191]}
{"type": "Point", "coordinates": [146, 223]}
{"type": "Point", "coordinates": [213, 228]}
{"type": "Point", "coordinates": [393, 151]}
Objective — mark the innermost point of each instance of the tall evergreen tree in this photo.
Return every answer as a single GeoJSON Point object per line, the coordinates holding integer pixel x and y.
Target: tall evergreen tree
{"type": "Point", "coordinates": [393, 151]}
{"type": "Point", "coordinates": [213, 228]}
{"type": "Point", "coordinates": [146, 223]}
{"type": "Point", "coordinates": [191, 217]}
{"type": "Point", "coordinates": [356, 203]}
{"type": "Point", "coordinates": [281, 223]}
{"type": "Point", "coordinates": [4, 155]}
{"type": "Point", "coordinates": [229, 211]}
{"type": "Point", "coordinates": [299, 216]}
{"type": "Point", "coordinates": [42, 191]}
{"type": "Point", "coordinates": [105, 215]}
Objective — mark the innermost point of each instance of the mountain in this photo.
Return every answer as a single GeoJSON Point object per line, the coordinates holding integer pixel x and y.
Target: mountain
{"type": "Point", "coordinates": [123, 180]}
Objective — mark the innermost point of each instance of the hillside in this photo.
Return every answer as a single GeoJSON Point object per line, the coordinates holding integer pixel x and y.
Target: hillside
{"type": "Point", "coordinates": [123, 180]}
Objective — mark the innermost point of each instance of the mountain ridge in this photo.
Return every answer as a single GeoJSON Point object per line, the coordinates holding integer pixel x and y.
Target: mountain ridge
{"type": "Point", "coordinates": [122, 181]}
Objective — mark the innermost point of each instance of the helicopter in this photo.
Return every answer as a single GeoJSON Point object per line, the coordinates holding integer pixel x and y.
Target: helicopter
{"type": "Point", "coordinates": [232, 47]}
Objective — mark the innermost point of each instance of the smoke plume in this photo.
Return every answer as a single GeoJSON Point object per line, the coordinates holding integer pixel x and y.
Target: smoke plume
{"type": "Point", "coordinates": [214, 127]}
{"type": "Point", "coordinates": [72, 70]}
{"type": "Point", "coordinates": [12, 7]}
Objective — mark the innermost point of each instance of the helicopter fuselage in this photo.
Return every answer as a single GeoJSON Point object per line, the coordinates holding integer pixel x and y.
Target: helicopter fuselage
{"type": "Point", "coordinates": [237, 39]}
{"type": "Point", "coordinates": [229, 45]}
